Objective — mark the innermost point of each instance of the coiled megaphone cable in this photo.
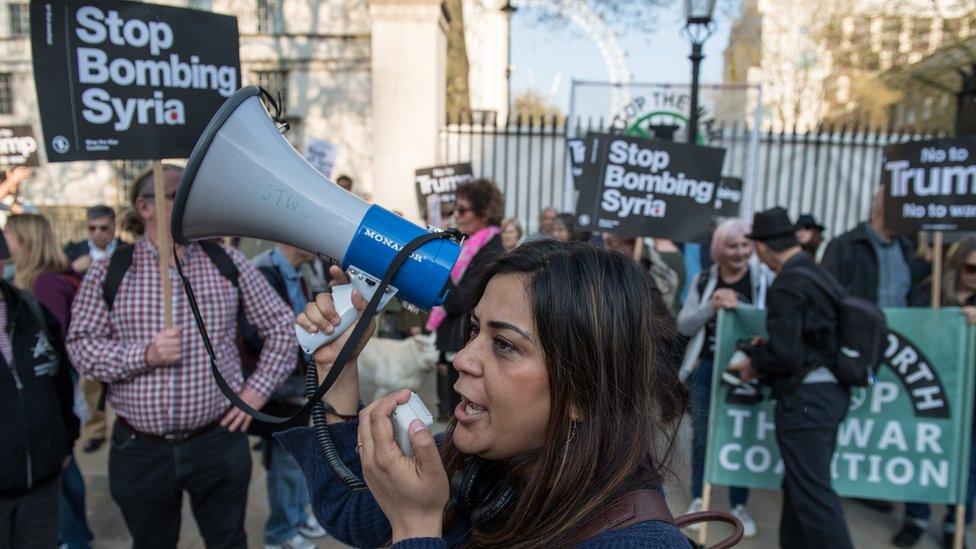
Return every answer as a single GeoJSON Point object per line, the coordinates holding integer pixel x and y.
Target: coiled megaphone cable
{"type": "Point", "coordinates": [322, 433]}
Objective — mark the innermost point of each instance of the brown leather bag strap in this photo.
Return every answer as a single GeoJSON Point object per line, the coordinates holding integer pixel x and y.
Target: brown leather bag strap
{"type": "Point", "coordinates": [636, 507]}
{"type": "Point", "coordinates": [644, 505]}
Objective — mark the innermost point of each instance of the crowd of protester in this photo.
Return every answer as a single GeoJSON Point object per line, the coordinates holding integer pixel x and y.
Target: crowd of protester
{"type": "Point", "coordinates": [83, 333]}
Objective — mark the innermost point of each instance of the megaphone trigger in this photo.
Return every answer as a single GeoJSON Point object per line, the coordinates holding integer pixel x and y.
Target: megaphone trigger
{"type": "Point", "coordinates": [342, 299]}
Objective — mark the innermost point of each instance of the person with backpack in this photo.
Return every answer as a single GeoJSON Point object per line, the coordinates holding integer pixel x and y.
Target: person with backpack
{"type": "Point", "coordinates": [44, 271]}
{"type": "Point", "coordinates": [175, 431]}
{"type": "Point", "coordinates": [289, 525]}
{"type": "Point", "coordinates": [733, 280]}
{"type": "Point", "coordinates": [39, 427]}
{"type": "Point", "coordinates": [798, 360]}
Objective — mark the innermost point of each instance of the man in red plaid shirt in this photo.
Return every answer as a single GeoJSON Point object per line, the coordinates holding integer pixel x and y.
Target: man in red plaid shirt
{"type": "Point", "coordinates": [175, 431]}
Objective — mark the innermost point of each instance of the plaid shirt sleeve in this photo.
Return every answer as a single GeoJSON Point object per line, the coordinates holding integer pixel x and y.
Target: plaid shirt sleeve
{"type": "Point", "coordinates": [274, 321]}
{"type": "Point", "coordinates": [91, 345]}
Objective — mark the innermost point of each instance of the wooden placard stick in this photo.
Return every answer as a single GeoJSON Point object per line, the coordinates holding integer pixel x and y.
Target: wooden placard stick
{"type": "Point", "coordinates": [937, 270]}
{"type": "Point", "coordinates": [638, 248]}
{"type": "Point", "coordinates": [959, 536]}
{"type": "Point", "coordinates": [163, 241]}
{"type": "Point", "coordinates": [706, 502]}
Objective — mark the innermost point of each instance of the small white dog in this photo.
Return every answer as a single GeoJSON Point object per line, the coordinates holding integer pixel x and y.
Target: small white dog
{"type": "Point", "coordinates": [393, 364]}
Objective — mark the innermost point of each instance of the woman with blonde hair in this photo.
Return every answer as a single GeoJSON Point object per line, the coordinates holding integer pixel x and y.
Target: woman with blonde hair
{"type": "Point", "coordinates": [41, 266]}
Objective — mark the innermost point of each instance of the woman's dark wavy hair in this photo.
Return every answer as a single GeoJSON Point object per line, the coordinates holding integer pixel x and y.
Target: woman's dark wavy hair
{"type": "Point", "coordinates": [612, 360]}
{"type": "Point", "coordinates": [485, 199]}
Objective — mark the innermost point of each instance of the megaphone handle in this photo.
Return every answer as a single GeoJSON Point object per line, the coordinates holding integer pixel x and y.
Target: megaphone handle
{"type": "Point", "coordinates": [342, 299]}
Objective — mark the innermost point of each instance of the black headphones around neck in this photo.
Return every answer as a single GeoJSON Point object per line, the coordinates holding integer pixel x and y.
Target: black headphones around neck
{"type": "Point", "coordinates": [479, 492]}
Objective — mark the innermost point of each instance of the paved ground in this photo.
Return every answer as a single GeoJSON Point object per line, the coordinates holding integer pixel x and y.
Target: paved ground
{"type": "Point", "coordinates": [868, 528]}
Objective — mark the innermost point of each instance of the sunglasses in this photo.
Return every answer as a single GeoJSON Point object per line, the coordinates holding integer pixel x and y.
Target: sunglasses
{"type": "Point", "coordinates": [969, 268]}
{"type": "Point", "coordinates": [99, 228]}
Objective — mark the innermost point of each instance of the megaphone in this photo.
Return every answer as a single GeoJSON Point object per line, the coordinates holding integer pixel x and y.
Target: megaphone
{"type": "Point", "coordinates": [245, 179]}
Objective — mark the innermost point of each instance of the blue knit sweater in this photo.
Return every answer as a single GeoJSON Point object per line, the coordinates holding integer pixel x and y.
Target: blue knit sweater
{"type": "Point", "coordinates": [356, 519]}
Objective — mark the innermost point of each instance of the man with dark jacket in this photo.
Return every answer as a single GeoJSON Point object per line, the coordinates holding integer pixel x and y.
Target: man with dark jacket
{"type": "Point", "coordinates": [796, 361]}
{"type": "Point", "coordinates": [39, 425]}
{"type": "Point", "coordinates": [101, 242]}
{"type": "Point", "coordinates": [875, 264]}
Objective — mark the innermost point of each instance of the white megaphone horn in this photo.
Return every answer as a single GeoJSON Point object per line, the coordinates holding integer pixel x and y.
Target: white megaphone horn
{"type": "Point", "coordinates": [244, 179]}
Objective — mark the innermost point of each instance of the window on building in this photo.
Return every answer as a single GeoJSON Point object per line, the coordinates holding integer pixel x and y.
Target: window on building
{"type": "Point", "coordinates": [19, 16]}
{"type": "Point", "coordinates": [270, 17]}
{"type": "Point", "coordinates": [276, 82]}
{"type": "Point", "coordinates": [921, 32]}
{"type": "Point", "coordinates": [6, 93]}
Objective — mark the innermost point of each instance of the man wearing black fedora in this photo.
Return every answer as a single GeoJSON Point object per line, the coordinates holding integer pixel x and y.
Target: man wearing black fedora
{"type": "Point", "coordinates": [809, 234]}
{"type": "Point", "coordinates": [796, 360]}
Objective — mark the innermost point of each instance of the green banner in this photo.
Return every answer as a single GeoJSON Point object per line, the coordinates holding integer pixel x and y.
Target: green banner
{"type": "Point", "coordinates": [905, 438]}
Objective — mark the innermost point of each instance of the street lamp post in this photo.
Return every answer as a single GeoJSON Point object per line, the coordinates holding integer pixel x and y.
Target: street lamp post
{"type": "Point", "coordinates": [698, 27]}
{"type": "Point", "coordinates": [509, 10]}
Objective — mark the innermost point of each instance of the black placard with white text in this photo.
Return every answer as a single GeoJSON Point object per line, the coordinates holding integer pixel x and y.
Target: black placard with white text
{"type": "Point", "coordinates": [436, 184]}
{"type": "Point", "coordinates": [930, 185]}
{"type": "Point", "coordinates": [728, 197]}
{"type": "Point", "coordinates": [123, 80]}
{"type": "Point", "coordinates": [18, 147]}
{"type": "Point", "coordinates": [649, 187]}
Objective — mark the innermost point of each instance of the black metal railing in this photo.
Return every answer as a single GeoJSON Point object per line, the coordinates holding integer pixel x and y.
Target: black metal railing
{"type": "Point", "coordinates": [831, 172]}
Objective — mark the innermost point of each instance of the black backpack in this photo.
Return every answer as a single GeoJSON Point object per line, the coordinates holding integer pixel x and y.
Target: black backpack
{"type": "Point", "coordinates": [121, 260]}
{"type": "Point", "coordinates": [861, 332]}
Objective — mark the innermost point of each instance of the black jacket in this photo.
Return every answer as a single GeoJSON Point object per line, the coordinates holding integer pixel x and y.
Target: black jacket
{"type": "Point", "coordinates": [74, 250]}
{"type": "Point", "coordinates": [451, 332]}
{"type": "Point", "coordinates": [39, 426]}
{"type": "Point", "coordinates": [801, 322]}
{"type": "Point", "coordinates": [852, 260]}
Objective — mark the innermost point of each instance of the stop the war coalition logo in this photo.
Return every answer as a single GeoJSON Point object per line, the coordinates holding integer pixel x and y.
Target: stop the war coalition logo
{"type": "Point", "coordinates": [902, 437]}
{"type": "Point", "coordinates": [125, 80]}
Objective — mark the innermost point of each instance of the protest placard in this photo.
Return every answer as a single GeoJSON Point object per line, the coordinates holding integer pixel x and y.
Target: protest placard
{"type": "Point", "coordinates": [645, 187]}
{"type": "Point", "coordinates": [728, 197]}
{"type": "Point", "coordinates": [905, 438]}
{"type": "Point", "coordinates": [321, 154]}
{"type": "Point", "coordinates": [123, 80]}
{"type": "Point", "coordinates": [436, 184]}
{"type": "Point", "coordinates": [18, 147]}
{"type": "Point", "coordinates": [930, 185]}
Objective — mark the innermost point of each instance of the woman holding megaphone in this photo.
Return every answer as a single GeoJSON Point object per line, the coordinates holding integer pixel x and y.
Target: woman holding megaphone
{"type": "Point", "coordinates": [569, 413]}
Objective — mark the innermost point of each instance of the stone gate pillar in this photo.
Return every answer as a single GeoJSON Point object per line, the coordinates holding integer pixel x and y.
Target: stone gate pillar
{"type": "Point", "coordinates": [409, 52]}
